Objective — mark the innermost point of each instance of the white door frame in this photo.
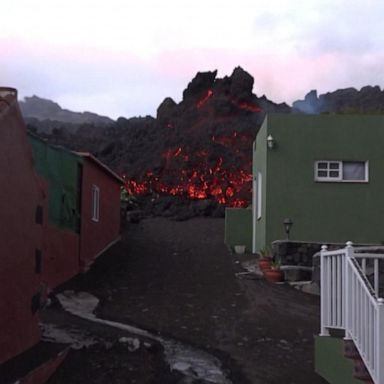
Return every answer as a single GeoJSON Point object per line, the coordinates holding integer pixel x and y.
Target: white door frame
{"type": "Point", "coordinates": [254, 213]}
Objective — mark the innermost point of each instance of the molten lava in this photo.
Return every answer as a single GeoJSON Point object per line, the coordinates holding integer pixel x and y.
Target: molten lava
{"type": "Point", "coordinates": [218, 169]}
{"type": "Point", "coordinates": [224, 184]}
{"type": "Point", "coordinates": [202, 101]}
{"type": "Point", "coordinates": [249, 107]}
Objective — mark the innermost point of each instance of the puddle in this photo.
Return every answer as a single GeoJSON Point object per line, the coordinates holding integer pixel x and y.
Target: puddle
{"type": "Point", "coordinates": [193, 363]}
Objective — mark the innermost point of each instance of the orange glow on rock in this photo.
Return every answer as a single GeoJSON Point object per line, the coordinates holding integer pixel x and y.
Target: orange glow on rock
{"type": "Point", "coordinates": [202, 101]}
{"type": "Point", "coordinates": [193, 175]}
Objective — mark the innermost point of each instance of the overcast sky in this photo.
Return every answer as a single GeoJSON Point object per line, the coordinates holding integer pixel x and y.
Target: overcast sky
{"type": "Point", "coordinates": [123, 57]}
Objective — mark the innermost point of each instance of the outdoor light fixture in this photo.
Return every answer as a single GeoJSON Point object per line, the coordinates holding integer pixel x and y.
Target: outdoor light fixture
{"type": "Point", "coordinates": [270, 142]}
{"type": "Point", "coordinates": [287, 225]}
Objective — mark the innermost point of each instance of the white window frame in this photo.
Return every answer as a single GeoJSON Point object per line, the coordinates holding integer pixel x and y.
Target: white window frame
{"type": "Point", "coordinates": [259, 192]}
{"type": "Point", "coordinates": [95, 208]}
{"type": "Point", "coordinates": [339, 178]}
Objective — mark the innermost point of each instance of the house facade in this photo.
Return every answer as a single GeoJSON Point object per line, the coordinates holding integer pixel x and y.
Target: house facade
{"type": "Point", "coordinates": [324, 173]}
{"type": "Point", "coordinates": [22, 206]}
{"type": "Point", "coordinates": [100, 208]}
{"type": "Point", "coordinates": [59, 211]}
{"type": "Point", "coordinates": [59, 168]}
{"type": "Point", "coordinates": [84, 209]}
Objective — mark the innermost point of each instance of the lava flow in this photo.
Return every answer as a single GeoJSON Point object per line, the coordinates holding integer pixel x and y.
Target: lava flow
{"type": "Point", "coordinates": [191, 176]}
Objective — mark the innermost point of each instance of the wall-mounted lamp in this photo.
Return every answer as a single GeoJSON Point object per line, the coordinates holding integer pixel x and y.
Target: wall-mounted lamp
{"type": "Point", "coordinates": [270, 142]}
{"type": "Point", "coordinates": [287, 226]}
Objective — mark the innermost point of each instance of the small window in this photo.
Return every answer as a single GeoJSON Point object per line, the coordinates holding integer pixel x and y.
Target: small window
{"type": "Point", "coordinates": [348, 171]}
{"type": "Point", "coordinates": [39, 215]}
{"type": "Point", "coordinates": [95, 203]}
{"type": "Point", "coordinates": [38, 261]}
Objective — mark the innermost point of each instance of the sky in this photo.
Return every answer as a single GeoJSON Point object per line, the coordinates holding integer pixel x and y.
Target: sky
{"type": "Point", "coordinates": [124, 57]}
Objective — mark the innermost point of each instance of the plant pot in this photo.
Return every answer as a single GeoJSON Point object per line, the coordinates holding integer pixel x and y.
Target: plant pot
{"type": "Point", "coordinates": [264, 263]}
{"type": "Point", "coordinates": [239, 249]}
{"type": "Point", "coordinates": [273, 275]}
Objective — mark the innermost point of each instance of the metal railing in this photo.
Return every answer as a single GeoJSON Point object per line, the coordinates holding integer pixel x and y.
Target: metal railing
{"type": "Point", "coordinates": [350, 301]}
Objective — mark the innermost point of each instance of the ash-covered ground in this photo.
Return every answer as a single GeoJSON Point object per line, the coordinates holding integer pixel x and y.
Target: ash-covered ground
{"type": "Point", "coordinates": [196, 318]}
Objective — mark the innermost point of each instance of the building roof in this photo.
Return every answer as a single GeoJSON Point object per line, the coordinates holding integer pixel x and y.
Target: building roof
{"type": "Point", "coordinates": [82, 155]}
{"type": "Point", "coordinates": [88, 155]}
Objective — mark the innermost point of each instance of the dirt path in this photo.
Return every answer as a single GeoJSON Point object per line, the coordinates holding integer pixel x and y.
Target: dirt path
{"type": "Point", "coordinates": [178, 280]}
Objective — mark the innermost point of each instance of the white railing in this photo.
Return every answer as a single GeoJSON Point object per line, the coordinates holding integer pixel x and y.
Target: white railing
{"type": "Point", "coordinates": [350, 301]}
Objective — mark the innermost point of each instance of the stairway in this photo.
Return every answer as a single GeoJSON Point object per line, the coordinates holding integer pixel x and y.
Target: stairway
{"type": "Point", "coordinates": [360, 371]}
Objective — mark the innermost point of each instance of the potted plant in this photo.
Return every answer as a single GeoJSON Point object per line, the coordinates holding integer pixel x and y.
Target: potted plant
{"type": "Point", "coordinates": [239, 249]}
{"type": "Point", "coordinates": [265, 259]}
{"type": "Point", "coordinates": [274, 274]}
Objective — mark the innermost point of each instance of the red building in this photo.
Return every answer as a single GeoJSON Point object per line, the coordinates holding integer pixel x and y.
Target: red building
{"type": "Point", "coordinates": [22, 207]}
{"type": "Point", "coordinates": [100, 209]}
{"type": "Point", "coordinates": [59, 210]}
{"type": "Point", "coordinates": [83, 209]}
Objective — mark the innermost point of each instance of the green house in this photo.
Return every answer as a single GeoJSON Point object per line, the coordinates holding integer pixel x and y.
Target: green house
{"type": "Point", "coordinates": [323, 172]}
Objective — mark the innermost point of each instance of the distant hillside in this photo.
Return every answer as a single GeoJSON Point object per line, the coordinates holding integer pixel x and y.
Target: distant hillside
{"type": "Point", "coordinates": [35, 108]}
{"type": "Point", "coordinates": [348, 100]}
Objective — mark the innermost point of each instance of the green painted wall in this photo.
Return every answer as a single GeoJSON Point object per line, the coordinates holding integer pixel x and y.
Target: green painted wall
{"type": "Point", "coordinates": [238, 227]}
{"type": "Point", "coordinates": [60, 168]}
{"type": "Point", "coordinates": [260, 166]}
{"type": "Point", "coordinates": [323, 211]}
{"type": "Point", "coordinates": [330, 362]}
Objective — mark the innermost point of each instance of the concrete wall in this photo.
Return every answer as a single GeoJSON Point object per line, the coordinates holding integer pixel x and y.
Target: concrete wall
{"type": "Point", "coordinates": [238, 227]}
{"type": "Point", "coordinates": [323, 211]}
{"type": "Point", "coordinates": [95, 236]}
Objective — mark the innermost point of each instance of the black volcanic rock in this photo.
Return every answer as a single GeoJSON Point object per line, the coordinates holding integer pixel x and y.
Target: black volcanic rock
{"type": "Point", "coordinates": [201, 83]}
{"type": "Point", "coordinates": [201, 148]}
{"type": "Point", "coordinates": [198, 149]}
{"type": "Point", "coordinates": [166, 111]}
{"type": "Point", "coordinates": [241, 84]}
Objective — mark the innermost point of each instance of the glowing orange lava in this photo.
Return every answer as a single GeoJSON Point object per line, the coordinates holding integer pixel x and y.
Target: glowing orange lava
{"type": "Point", "coordinates": [201, 102]}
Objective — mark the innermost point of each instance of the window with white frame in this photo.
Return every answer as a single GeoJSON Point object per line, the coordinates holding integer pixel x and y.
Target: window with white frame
{"type": "Point", "coordinates": [341, 171]}
{"type": "Point", "coordinates": [95, 203]}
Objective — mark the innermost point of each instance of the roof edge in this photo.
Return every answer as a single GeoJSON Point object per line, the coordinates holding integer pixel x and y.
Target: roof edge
{"type": "Point", "coordinates": [89, 155]}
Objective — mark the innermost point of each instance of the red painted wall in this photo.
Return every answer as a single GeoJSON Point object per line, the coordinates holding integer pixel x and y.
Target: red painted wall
{"type": "Point", "coordinates": [62, 261]}
{"type": "Point", "coordinates": [95, 236]}
{"type": "Point", "coordinates": [45, 371]}
{"type": "Point", "coordinates": [20, 193]}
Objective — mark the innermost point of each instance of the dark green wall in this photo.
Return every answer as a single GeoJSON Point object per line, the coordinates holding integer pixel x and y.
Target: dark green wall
{"type": "Point", "coordinates": [330, 362]}
{"type": "Point", "coordinates": [324, 211]}
{"type": "Point", "coordinates": [60, 168]}
{"type": "Point", "coordinates": [238, 227]}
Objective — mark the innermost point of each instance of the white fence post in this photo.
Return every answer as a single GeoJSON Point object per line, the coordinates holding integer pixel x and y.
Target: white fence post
{"type": "Point", "coordinates": [349, 251]}
{"type": "Point", "coordinates": [380, 342]}
{"type": "Point", "coordinates": [324, 306]}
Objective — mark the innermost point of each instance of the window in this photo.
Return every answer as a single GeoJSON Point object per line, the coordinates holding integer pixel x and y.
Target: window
{"type": "Point", "coordinates": [341, 171]}
{"type": "Point", "coordinates": [39, 215]}
{"type": "Point", "coordinates": [38, 261]}
{"type": "Point", "coordinates": [95, 203]}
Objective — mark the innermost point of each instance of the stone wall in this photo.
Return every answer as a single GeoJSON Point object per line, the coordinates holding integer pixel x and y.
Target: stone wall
{"type": "Point", "coordinates": [304, 254]}
{"type": "Point", "coordinates": [295, 253]}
